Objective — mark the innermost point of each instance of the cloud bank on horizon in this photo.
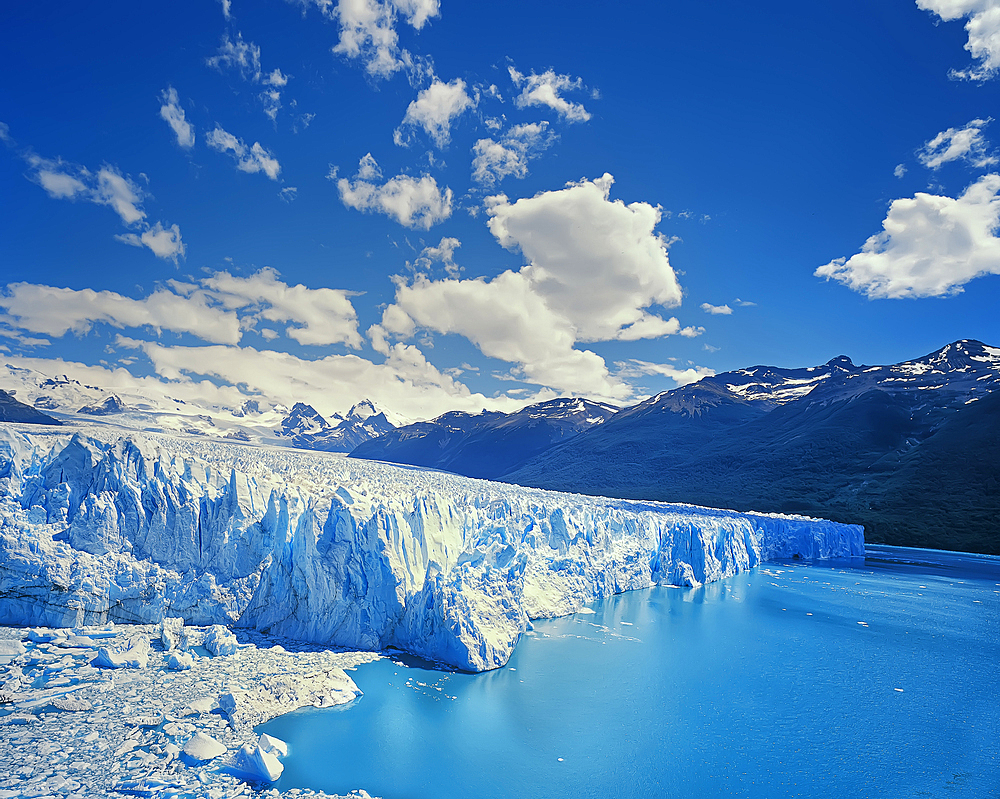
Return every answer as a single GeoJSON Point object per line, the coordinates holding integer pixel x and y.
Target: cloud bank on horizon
{"type": "Point", "coordinates": [505, 236]}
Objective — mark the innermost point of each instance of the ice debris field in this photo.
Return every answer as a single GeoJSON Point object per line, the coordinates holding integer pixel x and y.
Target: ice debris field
{"type": "Point", "coordinates": [99, 530]}
{"type": "Point", "coordinates": [165, 711]}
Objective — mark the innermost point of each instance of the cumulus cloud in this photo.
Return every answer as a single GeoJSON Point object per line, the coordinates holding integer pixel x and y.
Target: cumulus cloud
{"type": "Point", "coordinates": [495, 160]}
{"type": "Point", "coordinates": [248, 159]}
{"type": "Point", "coordinates": [596, 261]}
{"type": "Point", "coordinates": [595, 267]}
{"type": "Point", "coordinates": [443, 253]}
{"type": "Point", "coordinates": [316, 316]}
{"type": "Point", "coordinates": [930, 246]}
{"type": "Point", "coordinates": [983, 28]}
{"type": "Point", "coordinates": [227, 7]}
{"type": "Point", "coordinates": [172, 113]}
{"type": "Point", "coordinates": [433, 110]}
{"type": "Point", "coordinates": [953, 144]}
{"type": "Point", "coordinates": [57, 311]}
{"type": "Point", "coordinates": [723, 310]}
{"type": "Point", "coordinates": [368, 30]}
{"type": "Point", "coordinates": [546, 90]}
{"type": "Point", "coordinates": [165, 242]}
{"type": "Point", "coordinates": [681, 376]}
{"type": "Point", "coordinates": [217, 309]}
{"type": "Point", "coordinates": [413, 202]}
{"type": "Point", "coordinates": [62, 180]}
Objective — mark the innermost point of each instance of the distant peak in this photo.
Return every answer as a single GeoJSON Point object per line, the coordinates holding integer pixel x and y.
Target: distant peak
{"type": "Point", "coordinates": [841, 361]}
{"type": "Point", "coordinates": [362, 410]}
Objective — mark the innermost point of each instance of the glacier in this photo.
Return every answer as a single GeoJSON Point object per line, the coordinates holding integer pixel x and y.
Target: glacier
{"type": "Point", "coordinates": [100, 526]}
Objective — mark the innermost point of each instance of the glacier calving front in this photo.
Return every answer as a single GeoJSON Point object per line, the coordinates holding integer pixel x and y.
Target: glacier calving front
{"type": "Point", "coordinates": [95, 528]}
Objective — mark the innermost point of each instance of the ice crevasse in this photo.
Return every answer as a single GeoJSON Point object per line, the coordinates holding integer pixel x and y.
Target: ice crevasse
{"type": "Point", "coordinates": [96, 527]}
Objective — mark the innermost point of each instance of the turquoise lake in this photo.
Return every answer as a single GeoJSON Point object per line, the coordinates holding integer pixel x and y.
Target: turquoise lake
{"type": "Point", "coordinates": [876, 679]}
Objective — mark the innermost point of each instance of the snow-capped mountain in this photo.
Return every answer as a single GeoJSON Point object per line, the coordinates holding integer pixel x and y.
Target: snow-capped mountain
{"type": "Point", "coordinates": [307, 429]}
{"type": "Point", "coordinates": [12, 410]}
{"type": "Point", "coordinates": [823, 441]}
{"type": "Point", "coordinates": [253, 420]}
{"type": "Point", "coordinates": [486, 444]}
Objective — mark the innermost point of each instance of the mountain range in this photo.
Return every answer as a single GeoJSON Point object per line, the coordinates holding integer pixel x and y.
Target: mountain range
{"type": "Point", "coordinates": [910, 450]}
{"type": "Point", "coordinates": [486, 444]}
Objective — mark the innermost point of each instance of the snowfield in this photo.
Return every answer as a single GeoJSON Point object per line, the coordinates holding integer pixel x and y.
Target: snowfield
{"type": "Point", "coordinates": [97, 526]}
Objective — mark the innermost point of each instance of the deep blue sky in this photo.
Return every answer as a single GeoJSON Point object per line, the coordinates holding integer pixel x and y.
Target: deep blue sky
{"type": "Point", "coordinates": [773, 138]}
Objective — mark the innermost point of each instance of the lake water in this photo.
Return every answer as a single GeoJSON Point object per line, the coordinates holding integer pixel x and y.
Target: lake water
{"type": "Point", "coordinates": [877, 680]}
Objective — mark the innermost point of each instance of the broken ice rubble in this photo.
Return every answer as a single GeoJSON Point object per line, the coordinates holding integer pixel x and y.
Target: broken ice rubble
{"type": "Point", "coordinates": [97, 528]}
{"type": "Point", "coordinates": [72, 728]}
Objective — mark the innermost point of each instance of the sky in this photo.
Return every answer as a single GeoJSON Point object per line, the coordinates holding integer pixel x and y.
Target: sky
{"type": "Point", "coordinates": [456, 206]}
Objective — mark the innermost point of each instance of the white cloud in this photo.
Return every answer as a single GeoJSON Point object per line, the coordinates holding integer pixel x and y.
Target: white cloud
{"type": "Point", "coordinates": [899, 171]}
{"type": "Point", "coordinates": [595, 261]}
{"type": "Point", "coordinates": [317, 316]}
{"type": "Point", "coordinates": [405, 382]}
{"type": "Point", "coordinates": [245, 58]}
{"type": "Point", "coordinates": [275, 78]}
{"type": "Point", "coordinates": [415, 203]}
{"type": "Point", "coordinates": [723, 310]}
{"type": "Point", "coordinates": [248, 159]}
{"type": "Point", "coordinates": [546, 89]}
{"type": "Point", "coordinates": [66, 181]}
{"type": "Point", "coordinates": [965, 143]}
{"type": "Point", "coordinates": [121, 194]}
{"type": "Point", "coordinates": [172, 113]}
{"type": "Point", "coordinates": [164, 242]}
{"type": "Point", "coordinates": [227, 7]}
{"type": "Point", "coordinates": [434, 109]}
{"type": "Point", "coordinates": [218, 309]}
{"type": "Point", "coordinates": [983, 27]}
{"type": "Point", "coordinates": [930, 246]}
{"type": "Point", "coordinates": [443, 253]}
{"type": "Point", "coordinates": [239, 55]}
{"type": "Point", "coordinates": [681, 376]}
{"type": "Point", "coordinates": [368, 30]}
{"type": "Point", "coordinates": [495, 160]}
{"type": "Point", "coordinates": [594, 268]}
{"type": "Point", "coordinates": [59, 184]}
{"type": "Point", "coordinates": [57, 311]}
{"type": "Point", "coordinates": [288, 193]}
{"type": "Point", "coordinates": [744, 303]}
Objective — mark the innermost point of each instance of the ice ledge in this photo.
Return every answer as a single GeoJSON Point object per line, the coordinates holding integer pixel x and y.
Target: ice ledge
{"type": "Point", "coordinates": [352, 553]}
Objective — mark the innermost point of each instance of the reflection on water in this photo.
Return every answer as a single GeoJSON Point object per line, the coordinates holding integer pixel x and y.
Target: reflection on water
{"type": "Point", "coordinates": [791, 681]}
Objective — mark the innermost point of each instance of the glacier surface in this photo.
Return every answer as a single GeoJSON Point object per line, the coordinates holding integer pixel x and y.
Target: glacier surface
{"type": "Point", "coordinates": [98, 527]}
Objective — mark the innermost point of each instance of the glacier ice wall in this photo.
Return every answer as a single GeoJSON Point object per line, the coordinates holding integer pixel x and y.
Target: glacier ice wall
{"type": "Point", "coordinates": [346, 552]}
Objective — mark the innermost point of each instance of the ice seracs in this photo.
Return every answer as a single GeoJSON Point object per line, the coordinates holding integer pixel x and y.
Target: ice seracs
{"type": "Point", "coordinates": [99, 528]}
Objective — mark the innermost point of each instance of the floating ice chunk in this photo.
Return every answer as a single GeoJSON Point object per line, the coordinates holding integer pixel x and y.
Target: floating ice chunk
{"type": "Point", "coordinates": [201, 746]}
{"type": "Point", "coordinates": [252, 763]}
{"type": "Point", "coordinates": [170, 633]}
{"type": "Point", "coordinates": [220, 641]}
{"type": "Point", "coordinates": [11, 647]}
{"type": "Point", "coordinates": [275, 746]}
{"type": "Point", "coordinates": [147, 787]}
{"type": "Point", "coordinates": [145, 721]}
{"type": "Point", "coordinates": [71, 705]}
{"type": "Point", "coordinates": [132, 654]}
{"type": "Point", "coordinates": [75, 642]}
{"type": "Point", "coordinates": [179, 661]}
{"type": "Point", "coordinates": [199, 706]}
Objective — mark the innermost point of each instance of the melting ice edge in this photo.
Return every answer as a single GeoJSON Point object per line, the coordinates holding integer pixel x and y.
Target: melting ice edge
{"type": "Point", "coordinates": [98, 527]}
